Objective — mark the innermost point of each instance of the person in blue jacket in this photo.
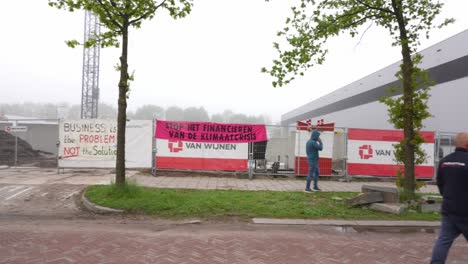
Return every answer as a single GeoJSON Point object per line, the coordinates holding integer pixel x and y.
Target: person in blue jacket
{"type": "Point", "coordinates": [313, 146]}
{"type": "Point", "coordinates": [452, 180]}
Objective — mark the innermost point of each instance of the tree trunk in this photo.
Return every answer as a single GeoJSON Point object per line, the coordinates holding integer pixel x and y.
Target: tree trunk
{"type": "Point", "coordinates": [407, 69]}
{"type": "Point", "coordinates": [122, 111]}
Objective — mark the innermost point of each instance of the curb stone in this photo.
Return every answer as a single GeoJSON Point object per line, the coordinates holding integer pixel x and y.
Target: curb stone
{"type": "Point", "coordinates": [350, 223]}
{"type": "Point", "coordinates": [97, 208]}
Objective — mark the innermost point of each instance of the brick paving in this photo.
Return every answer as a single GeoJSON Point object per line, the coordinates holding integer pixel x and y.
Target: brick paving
{"type": "Point", "coordinates": [42, 244]}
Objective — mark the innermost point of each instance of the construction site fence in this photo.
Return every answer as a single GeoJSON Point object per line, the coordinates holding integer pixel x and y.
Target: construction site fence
{"type": "Point", "coordinates": [29, 143]}
{"type": "Point", "coordinates": [285, 152]}
{"type": "Point", "coordinates": [34, 143]}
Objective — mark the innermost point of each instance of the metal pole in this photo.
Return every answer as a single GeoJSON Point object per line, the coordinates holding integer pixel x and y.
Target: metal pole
{"type": "Point", "coordinates": [346, 153]}
{"type": "Point", "coordinates": [436, 153]}
{"type": "Point", "coordinates": [298, 152]}
{"type": "Point", "coordinates": [250, 160]}
{"type": "Point", "coordinates": [16, 148]}
{"type": "Point", "coordinates": [155, 150]}
{"type": "Point", "coordinates": [58, 146]}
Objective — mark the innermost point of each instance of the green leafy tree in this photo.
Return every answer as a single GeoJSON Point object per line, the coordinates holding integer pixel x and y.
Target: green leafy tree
{"type": "Point", "coordinates": [227, 114]}
{"type": "Point", "coordinates": [314, 22]}
{"type": "Point", "coordinates": [196, 114]}
{"type": "Point", "coordinates": [107, 111]}
{"type": "Point", "coordinates": [118, 16]}
{"type": "Point", "coordinates": [149, 112]}
{"type": "Point", "coordinates": [74, 112]}
{"type": "Point", "coordinates": [29, 109]}
{"type": "Point", "coordinates": [175, 113]}
{"type": "Point", "coordinates": [217, 118]}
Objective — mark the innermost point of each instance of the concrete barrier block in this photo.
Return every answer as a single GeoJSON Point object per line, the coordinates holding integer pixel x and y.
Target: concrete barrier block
{"type": "Point", "coordinates": [390, 194]}
{"type": "Point", "coordinates": [388, 208]}
{"type": "Point", "coordinates": [365, 198]}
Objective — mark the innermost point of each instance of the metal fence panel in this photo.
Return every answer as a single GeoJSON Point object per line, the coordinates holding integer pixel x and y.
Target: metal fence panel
{"type": "Point", "coordinates": [444, 145]}
{"type": "Point", "coordinates": [284, 152]}
{"type": "Point", "coordinates": [332, 160]}
{"type": "Point", "coordinates": [29, 143]}
{"type": "Point", "coordinates": [340, 141]}
{"type": "Point", "coordinates": [273, 155]}
{"type": "Point", "coordinates": [33, 143]}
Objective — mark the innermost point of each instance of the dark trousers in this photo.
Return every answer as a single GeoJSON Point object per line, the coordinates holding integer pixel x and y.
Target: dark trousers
{"type": "Point", "coordinates": [450, 229]}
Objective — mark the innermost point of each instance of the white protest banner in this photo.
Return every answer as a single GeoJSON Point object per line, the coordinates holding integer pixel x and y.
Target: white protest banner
{"type": "Point", "coordinates": [93, 143]}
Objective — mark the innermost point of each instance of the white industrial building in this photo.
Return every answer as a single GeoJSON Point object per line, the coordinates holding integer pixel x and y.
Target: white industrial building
{"type": "Point", "coordinates": [356, 105]}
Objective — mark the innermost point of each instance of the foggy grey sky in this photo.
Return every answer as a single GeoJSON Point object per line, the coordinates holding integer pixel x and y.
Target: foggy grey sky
{"type": "Point", "coordinates": [212, 58]}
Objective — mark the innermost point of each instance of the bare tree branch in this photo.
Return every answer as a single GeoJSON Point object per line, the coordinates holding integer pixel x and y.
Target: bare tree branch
{"type": "Point", "coordinates": [362, 36]}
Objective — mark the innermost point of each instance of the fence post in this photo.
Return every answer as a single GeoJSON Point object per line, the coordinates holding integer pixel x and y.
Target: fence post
{"type": "Point", "coordinates": [345, 160]}
{"type": "Point", "coordinates": [250, 160]}
{"type": "Point", "coordinates": [436, 153]}
{"type": "Point", "coordinates": [16, 148]}
{"type": "Point", "coordinates": [59, 121]}
{"type": "Point", "coordinates": [154, 152]}
{"type": "Point", "coordinates": [298, 134]}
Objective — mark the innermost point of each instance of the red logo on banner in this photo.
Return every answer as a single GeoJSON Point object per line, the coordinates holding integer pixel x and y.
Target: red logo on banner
{"type": "Point", "coordinates": [175, 146]}
{"type": "Point", "coordinates": [366, 152]}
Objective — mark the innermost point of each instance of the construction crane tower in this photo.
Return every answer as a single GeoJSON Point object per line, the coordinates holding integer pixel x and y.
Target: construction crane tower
{"type": "Point", "coordinates": [90, 78]}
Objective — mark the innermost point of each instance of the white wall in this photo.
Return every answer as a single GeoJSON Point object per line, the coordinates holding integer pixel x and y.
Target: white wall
{"type": "Point", "coordinates": [448, 105]}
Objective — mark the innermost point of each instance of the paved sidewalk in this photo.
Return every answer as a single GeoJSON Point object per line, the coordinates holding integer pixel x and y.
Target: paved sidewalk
{"type": "Point", "coordinates": [258, 184]}
{"type": "Point", "coordinates": [348, 223]}
{"type": "Point", "coordinates": [100, 176]}
{"type": "Point", "coordinates": [34, 184]}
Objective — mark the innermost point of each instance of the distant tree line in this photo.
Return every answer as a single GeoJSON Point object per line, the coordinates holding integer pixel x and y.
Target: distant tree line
{"type": "Point", "coordinates": [144, 112]}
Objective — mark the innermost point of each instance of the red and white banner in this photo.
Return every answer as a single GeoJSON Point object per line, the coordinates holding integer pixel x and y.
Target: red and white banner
{"type": "Point", "coordinates": [210, 132]}
{"type": "Point", "coordinates": [201, 155]}
{"type": "Point", "coordinates": [371, 152]}
{"type": "Point", "coordinates": [205, 145]}
{"type": "Point", "coordinates": [321, 126]}
{"type": "Point", "coordinates": [301, 167]}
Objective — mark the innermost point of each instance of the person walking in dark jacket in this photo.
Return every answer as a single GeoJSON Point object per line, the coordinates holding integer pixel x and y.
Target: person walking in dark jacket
{"type": "Point", "coordinates": [452, 180]}
{"type": "Point", "coordinates": [313, 146]}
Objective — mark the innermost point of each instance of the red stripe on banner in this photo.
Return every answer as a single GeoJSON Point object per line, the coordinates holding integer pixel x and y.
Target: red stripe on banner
{"type": "Point", "coordinates": [387, 170]}
{"type": "Point", "coordinates": [301, 167]}
{"type": "Point", "coordinates": [384, 135]}
{"type": "Point", "coordinates": [201, 164]}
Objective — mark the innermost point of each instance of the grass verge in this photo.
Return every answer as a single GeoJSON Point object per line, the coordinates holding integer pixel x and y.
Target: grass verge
{"type": "Point", "coordinates": [216, 204]}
